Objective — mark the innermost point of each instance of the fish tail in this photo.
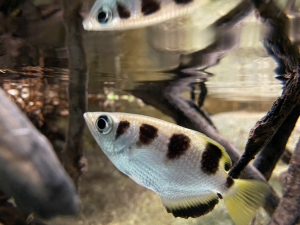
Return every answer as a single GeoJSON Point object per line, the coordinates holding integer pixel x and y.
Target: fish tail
{"type": "Point", "coordinates": [243, 198]}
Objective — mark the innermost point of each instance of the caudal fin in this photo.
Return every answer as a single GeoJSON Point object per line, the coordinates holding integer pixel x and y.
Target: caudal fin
{"type": "Point", "coordinates": [244, 198]}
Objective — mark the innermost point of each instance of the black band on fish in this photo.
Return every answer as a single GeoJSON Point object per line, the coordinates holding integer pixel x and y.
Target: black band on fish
{"type": "Point", "coordinates": [147, 134]}
{"type": "Point", "coordinates": [123, 12]}
{"type": "Point", "coordinates": [150, 6]}
{"type": "Point", "coordinates": [194, 211]}
{"type": "Point", "coordinates": [227, 166]}
{"type": "Point", "coordinates": [177, 146]}
{"type": "Point", "coordinates": [229, 182]}
{"type": "Point", "coordinates": [182, 1]}
{"type": "Point", "coordinates": [220, 196]}
{"type": "Point", "coordinates": [210, 159]}
{"type": "Point", "coordinates": [122, 127]}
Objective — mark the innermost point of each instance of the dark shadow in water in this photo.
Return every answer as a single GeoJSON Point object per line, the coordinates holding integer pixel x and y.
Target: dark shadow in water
{"type": "Point", "coordinates": [30, 35]}
{"type": "Point", "coordinates": [162, 95]}
{"type": "Point", "coordinates": [225, 40]}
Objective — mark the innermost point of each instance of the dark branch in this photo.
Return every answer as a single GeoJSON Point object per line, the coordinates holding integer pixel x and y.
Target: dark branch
{"type": "Point", "coordinates": [284, 109]}
{"type": "Point", "coordinates": [271, 153]}
{"type": "Point", "coordinates": [288, 209]}
{"type": "Point", "coordinates": [72, 157]}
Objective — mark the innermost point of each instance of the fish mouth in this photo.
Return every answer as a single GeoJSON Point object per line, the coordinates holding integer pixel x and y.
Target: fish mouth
{"type": "Point", "coordinates": [86, 117]}
{"type": "Point", "coordinates": [87, 24]}
{"type": "Point", "coordinates": [90, 24]}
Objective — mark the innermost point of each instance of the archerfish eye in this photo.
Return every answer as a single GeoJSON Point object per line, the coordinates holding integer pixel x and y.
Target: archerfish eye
{"type": "Point", "coordinates": [104, 124]}
{"type": "Point", "coordinates": [104, 15]}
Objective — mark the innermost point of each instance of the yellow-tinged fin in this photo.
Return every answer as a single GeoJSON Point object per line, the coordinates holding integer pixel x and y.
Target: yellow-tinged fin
{"type": "Point", "coordinates": [225, 160]}
{"type": "Point", "coordinates": [192, 206]}
{"type": "Point", "coordinates": [244, 198]}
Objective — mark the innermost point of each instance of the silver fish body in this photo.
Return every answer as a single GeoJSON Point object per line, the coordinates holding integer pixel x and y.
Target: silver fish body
{"type": "Point", "coordinates": [184, 167]}
{"type": "Point", "coordinates": [131, 14]}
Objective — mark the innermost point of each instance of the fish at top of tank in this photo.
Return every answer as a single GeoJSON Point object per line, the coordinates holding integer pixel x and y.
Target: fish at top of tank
{"type": "Point", "coordinates": [131, 14]}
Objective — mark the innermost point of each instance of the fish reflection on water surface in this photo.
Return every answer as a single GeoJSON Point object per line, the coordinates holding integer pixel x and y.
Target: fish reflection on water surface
{"type": "Point", "coordinates": [130, 14]}
{"type": "Point", "coordinates": [184, 167]}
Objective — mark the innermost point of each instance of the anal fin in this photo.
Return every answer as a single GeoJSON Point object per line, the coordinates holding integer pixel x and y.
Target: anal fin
{"type": "Point", "coordinates": [191, 206]}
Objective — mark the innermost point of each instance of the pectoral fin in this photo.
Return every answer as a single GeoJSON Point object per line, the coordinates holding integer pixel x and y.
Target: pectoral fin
{"type": "Point", "coordinates": [192, 206]}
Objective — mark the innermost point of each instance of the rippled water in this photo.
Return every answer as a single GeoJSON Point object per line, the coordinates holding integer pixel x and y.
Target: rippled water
{"type": "Point", "coordinates": [121, 65]}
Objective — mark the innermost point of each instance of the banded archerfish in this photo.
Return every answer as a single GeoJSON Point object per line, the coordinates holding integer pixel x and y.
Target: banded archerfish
{"type": "Point", "coordinates": [130, 14]}
{"type": "Point", "coordinates": [187, 169]}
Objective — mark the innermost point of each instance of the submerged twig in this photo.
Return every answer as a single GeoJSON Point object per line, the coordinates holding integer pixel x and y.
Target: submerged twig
{"type": "Point", "coordinates": [288, 209]}
{"type": "Point", "coordinates": [72, 157]}
{"type": "Point", "coordinates": [271, 153]}
{"type": "Point", "coordinates": [268, 129]}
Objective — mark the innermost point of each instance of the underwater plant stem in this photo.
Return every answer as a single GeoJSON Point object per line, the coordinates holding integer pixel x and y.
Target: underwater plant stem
{"type": "Point", "coordinates": [72, 154]}
{"type": "Point", "coordinates": [286, 55]}
{"type": "Point", "coordinates": [271, 153]}
{"type": "Point", "coordinates": [288, 209]}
